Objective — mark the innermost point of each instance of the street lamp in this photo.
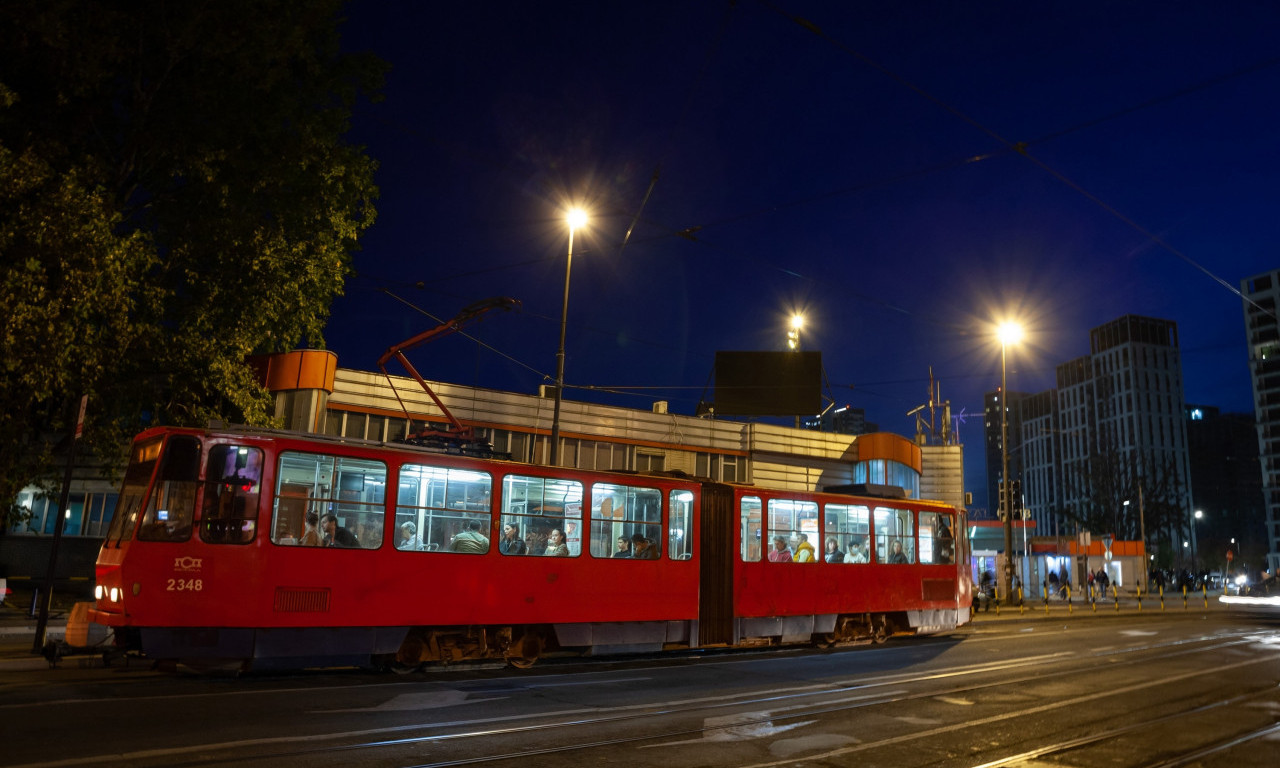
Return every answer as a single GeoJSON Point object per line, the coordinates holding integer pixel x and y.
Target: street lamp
{"type": "Point", "coordinates": [1195, 566]}
{"type": "Point", "coordinates": [576, 218]}
{"type": "Point", "coordinates": [793, 335]}
{"type": "Point", "coordinates": [1008, 333]}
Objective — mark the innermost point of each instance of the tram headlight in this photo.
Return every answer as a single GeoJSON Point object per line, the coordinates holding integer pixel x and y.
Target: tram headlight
{"type": "Point", "coordinates": [115, 594]}
{"type": "Point", "coordinates": [99, 592]}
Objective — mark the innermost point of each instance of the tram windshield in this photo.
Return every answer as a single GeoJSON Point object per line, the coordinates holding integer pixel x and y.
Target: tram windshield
{"type": "Point", "coordinates": [142, 463]}
{"type": "Point", "coordinates": [172, 505]}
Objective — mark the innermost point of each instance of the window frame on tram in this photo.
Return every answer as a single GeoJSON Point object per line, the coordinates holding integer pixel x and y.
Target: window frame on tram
{"type": "Point", "coordinates": [449, 505]}
{"type": "Point", "coordinates": [528, 510]}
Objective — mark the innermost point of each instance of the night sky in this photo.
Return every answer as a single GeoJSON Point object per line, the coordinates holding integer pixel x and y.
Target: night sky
{"type": "Point", "coordinates": [905, 174]}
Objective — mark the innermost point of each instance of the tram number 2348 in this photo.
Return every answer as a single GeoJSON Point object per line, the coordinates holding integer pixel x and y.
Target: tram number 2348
{"type": "Point", "coordinates": [185, 585]}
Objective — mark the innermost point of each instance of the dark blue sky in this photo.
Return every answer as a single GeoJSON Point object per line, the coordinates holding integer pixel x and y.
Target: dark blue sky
{"type": "Point", "coordinates": [860, 167]}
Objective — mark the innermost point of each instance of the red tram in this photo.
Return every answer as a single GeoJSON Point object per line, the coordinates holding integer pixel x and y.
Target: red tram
{"type": "Point", "coordinates": [271, 548]}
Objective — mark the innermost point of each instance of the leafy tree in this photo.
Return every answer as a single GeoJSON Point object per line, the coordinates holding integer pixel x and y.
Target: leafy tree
{"type": "Point", "coordinates": [175, 195]}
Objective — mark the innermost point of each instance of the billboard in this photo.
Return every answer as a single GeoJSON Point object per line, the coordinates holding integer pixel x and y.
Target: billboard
{"type": "Point", "coordinates": [768, 383]}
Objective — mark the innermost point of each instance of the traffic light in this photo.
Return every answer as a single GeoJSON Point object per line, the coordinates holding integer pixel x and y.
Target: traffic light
{"type": "Point", "coordinates": [1015, 498]}
{"type": "Point", "coordinates": [1002, 505]}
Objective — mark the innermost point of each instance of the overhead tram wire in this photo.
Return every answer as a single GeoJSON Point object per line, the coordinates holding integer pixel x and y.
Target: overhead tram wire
{"type": "Point", "coordinates": [1022, 147]}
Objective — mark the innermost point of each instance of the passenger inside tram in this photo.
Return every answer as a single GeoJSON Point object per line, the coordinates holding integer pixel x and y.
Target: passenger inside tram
{"type": "Point", "coordinates": [642, 549]}
{"type": "Point", "coordinates": [511, 543]}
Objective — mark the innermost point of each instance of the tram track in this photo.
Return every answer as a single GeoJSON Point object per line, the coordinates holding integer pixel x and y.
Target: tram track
{"type": "Point", "coordinates": [859, 693]}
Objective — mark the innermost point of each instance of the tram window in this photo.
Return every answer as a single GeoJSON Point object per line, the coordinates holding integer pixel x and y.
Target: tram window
{"type": "Point", "coordinates": [142, 463]}
{"type": "Point", "coordinates": [849, 525]}
{"type": "Point", "coordinates": [626, 512]}
{"type": "Point", "coordinates": [937, 544]}
{"type": "Point", "coordinates": [796, 522]}
{"type": "Point", "coordinates": [447, 509]}
{"type": "Point", "coordinates": [541, 506]}
{"type": "Point", "coordinates": [172, 505]}
{"type": "Point", "coordinates": [750, 528]}
{"type": "Point", "coordinates": [232, 487]}
{"type": "Point", "coordinates": [680, 525]}
{"type": "Point", "coordinates": [894, 536]}
{"type": "Point", "coordinates": [351, 490]}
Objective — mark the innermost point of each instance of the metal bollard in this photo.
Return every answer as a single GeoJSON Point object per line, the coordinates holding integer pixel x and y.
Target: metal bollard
{"type": "Point", "coordinates": [1115, 595]}
{"type": "Point", "coordinates": [1046, 601]}
{"type": "Point", "coordinates": [34, 613]}
{"type": "Point", "coordinates": [1021, 605]}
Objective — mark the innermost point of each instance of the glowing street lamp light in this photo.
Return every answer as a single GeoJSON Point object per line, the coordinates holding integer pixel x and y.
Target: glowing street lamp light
{"type": "Point", "coordinates": [793, 335]}
{"type": "Point", "coordinates": [576, 219]}
{"type": "Point", "coordinates": [1007, 333]}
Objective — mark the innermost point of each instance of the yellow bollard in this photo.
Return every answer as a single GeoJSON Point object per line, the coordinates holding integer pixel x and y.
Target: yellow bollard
{"type": "Point", "coordinates": [1046, 601]}
{"type": "Point", "coordinates": [1115, 595]}
{"type": "Point", "coordinates": [1162, 597]}
{"type": "Point", "coordinates": [1021, 606]}
{"type": "Point", "coordinates": [1184, 597]}
{"type": "Point", "coordinates": [1070, 607]}
{"type": "Point", "coordinates": [1205, 589]}
{"type": "Point", "coordinates": [1139, 598]}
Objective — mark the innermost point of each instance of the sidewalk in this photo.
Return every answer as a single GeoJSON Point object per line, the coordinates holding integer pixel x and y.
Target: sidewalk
{"type": "Point", "coordinates": [1126, 605]}
{"type": "Point", "coordinates": [18, 629]}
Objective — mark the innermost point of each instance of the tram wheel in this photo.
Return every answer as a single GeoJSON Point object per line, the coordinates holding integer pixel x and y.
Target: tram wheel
{"type": "Point", "coordinates": [524, 652]}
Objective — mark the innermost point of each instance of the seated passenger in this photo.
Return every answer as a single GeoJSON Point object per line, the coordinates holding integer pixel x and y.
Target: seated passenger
{"type": "Point", "coordinates": [641, 549]}
{"type": "Point", "coordinates": [804, 550]}
{"type": "Point", "coordinates": [834, 555]}
{"type": "Point", "coordinates": [471, 540]}
{"type": "Point", "coordinates": [780, 553]}
{"type": "Point", "coordinates": [409, 539]}
{"type": "Point", "coordinates": [311, 534]}
{"type": "Point", "coordinates": [857, 552]}
{"type": "Point", "coordinates": [335, 535]}
{"type": "Point", "coordinates": [511, 544]}
{"type": "Point", "coordinates": [556, 546]}
{"type": "Point", "coordinates": [624, 548]}
{"type": "Point", "coordinates": [896, 555]}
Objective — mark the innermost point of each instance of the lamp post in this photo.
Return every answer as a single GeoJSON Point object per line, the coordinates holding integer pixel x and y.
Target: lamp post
{"type": "Point", "coordinates": [1009, 333]}
{"type": "Point", "coordinates": [576, 218]}
{"type": "Point", "coordinates": [1195, 565]}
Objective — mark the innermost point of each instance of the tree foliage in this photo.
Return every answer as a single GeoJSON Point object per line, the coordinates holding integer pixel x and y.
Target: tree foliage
{"type": "Point", "coordinates": [175, 195]}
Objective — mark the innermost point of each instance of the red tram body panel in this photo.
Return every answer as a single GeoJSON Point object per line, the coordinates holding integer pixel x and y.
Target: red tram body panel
{"type": "Point", "coordinates": [271, 547]}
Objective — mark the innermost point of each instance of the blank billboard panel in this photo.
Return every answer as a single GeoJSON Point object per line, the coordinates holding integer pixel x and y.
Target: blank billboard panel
{"type": "Point", "coordinates": [768, 383]}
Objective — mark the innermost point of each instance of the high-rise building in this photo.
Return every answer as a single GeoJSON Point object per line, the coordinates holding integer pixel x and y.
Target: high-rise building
{"type": "Point", "coordinates": [1228, 489]}
{"type": "Point", "coordinates": [993, 445]}
{"type": "Point", "coordinates": [1105, 451]}
{"type": "Point", "coordinates": [1263, 331]}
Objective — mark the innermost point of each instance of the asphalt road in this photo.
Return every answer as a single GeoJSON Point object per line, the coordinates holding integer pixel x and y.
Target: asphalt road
{"type": "Point", "coordinates": [1179, 687]}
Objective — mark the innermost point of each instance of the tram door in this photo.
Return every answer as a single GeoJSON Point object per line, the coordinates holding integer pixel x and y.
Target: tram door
{"type": "Point", "coordinates": [715, 594]}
